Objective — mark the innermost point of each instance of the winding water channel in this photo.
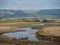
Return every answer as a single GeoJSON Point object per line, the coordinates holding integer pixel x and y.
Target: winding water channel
{"type": "Point", "coordinates": [30, 33]}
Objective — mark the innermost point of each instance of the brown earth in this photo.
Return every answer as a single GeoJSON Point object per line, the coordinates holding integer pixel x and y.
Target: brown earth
{"type": "Point", "coordinates": [5, 44]}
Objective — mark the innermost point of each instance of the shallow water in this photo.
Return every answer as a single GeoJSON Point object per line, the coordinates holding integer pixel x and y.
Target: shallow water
{"type": "Point", "coordinates": [30, 33]}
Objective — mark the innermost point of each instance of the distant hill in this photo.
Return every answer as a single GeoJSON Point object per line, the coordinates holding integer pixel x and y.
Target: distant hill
{"type": "Point", "coordinates": [47, 13]}
{"type": "Point", "coordinates": [12, 13]}
{"type": "Point", "coordinates": [55, 12]}
{"type": "Point", "coordinates": [50, 12]}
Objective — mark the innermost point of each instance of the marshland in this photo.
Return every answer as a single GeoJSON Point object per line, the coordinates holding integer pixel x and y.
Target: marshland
{"type": "Point", "coordinates": [29, 32]}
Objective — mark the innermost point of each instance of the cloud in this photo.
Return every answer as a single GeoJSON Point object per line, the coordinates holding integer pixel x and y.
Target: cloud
{"type": "Point", "coordinates": [29, 4]}
{"type": "Point", "coordinates": [20, 1]}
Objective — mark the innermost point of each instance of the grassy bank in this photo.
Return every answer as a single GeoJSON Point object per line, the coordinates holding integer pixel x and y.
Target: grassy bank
{"type": "Point", "coordinates": [50, 31]}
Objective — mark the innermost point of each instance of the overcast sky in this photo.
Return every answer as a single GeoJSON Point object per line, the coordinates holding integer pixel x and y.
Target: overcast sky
{"type": "Point", "coordinates": [29, 4]}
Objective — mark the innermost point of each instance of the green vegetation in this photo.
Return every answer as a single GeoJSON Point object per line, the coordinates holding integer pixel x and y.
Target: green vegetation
{"type": "Point", "coordinates": [10, 20]}
{"type": "Point", "coordinates": [36, 27]}
{"type": "Point", "coordinates": [41, 32]}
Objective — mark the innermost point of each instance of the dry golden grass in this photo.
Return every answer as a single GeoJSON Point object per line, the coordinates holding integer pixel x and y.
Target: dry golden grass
{"type": "Point", "coordinates": [52, 30]}
{"type": "Point", "coordinates": [6, 29]}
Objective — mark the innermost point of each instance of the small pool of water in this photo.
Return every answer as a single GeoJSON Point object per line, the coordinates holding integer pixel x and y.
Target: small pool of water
{"type": "Point", "coordinates": [30, 33]}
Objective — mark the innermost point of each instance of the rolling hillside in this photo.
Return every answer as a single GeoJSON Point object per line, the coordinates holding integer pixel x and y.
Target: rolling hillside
{"type": "Point", "coordinates": [47, 13]}
{"type": "Point", "coordinates": [50, 13]}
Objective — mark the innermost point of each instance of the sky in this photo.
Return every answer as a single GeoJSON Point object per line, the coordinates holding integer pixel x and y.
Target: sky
{"type": "Point", "coordinates": [29, 4]}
